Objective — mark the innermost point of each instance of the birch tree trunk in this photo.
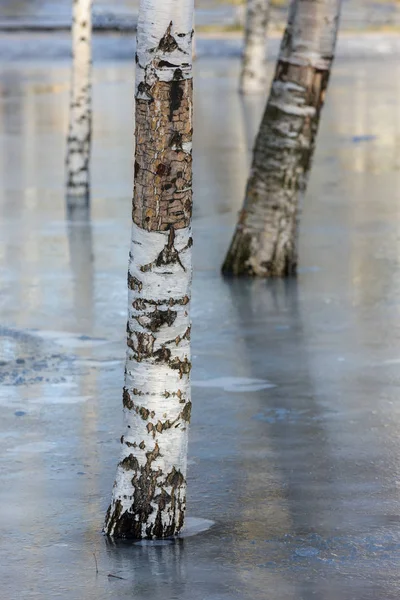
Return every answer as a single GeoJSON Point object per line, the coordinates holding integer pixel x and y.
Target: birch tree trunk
{"type": "Point", "coordinates": [265, 240]}
{"type": "Point", "coordinates": [253, 77]}
{"type": "Point", "coordinates": [149, 493]}
{"type": "Point", "coordinates": [80, 116]}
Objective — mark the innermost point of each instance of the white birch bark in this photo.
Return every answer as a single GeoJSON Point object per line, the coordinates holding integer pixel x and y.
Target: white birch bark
{"type": "Point", "coordinates": [265, 240]}
{"type": "Point", "coordinates": [194, 41]}
{"type": "Point", "coordinates": [253, 77]}
{"type": "Point", "coordinates": [80, 116]}
{"type": "Point", "coordinates": [149, 494]}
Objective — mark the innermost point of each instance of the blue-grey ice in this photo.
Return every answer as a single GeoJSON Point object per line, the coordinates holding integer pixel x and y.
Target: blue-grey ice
{"type": "Point", "coordinates": [235, 384]}
{"type": "Point", "coordinates": [293, 454]}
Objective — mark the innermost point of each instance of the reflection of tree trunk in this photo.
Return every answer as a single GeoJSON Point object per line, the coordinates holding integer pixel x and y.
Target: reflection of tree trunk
{"type": "Point", "coordinates": [145, 564]}
{"type": "Point", "coordinates": [19, 166]}
{"type": "Point", "coordinates": [254, 61]}
{"type": "Point", "coordinates": [81, 260]}
{"type": "Point", "coordinates": [149, 495]}
{"type": "Point", "coordinates": [262, 309]}
{"type": "Point", "coordinates": [265, 241]}
{"type": "Point", "coordinates": [80, 118]}
{"type": "Point", "coordinates": [287, 489]}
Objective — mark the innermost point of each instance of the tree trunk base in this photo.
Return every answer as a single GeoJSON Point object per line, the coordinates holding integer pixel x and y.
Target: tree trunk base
{"type": "Point", "coordinates": [246, 258]}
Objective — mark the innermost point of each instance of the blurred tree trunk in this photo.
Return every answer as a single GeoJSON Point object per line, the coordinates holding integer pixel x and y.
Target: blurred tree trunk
{"type": "Point", "coordinates": [254, 60]}
{"type": "Point", "coordinates": [194, 41]}
{"type": "Point", "coordinates": [265, 241]}
{"type": "Point", "coordinates": [149, 494]}
{"type": "Point", "coordinates": [80, 115]}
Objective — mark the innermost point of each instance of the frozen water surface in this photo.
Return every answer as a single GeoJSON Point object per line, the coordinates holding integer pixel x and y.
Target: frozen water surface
{"type": "Point", "coordinates": [235, 384]}
{"type": "Point", "coordinates": [302, 480]}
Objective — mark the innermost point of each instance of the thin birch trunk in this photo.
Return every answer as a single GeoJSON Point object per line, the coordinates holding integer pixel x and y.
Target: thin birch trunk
{"type": "Point", "coordinates": [265, 241]}
{"type": "Point", "coordinates": [253, 77]}
{"type": "Point", "coordinates": [149, 493]}
{"type": "Point", "coordinates": [194, 41]}
{"type": "Point", "coordinates": [80, 116]}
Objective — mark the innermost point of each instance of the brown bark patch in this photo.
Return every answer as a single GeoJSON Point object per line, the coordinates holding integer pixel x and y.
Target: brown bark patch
{"type": "Point", "coordinates": [134, 283]}
{"type": "Point", "coordinates": [144, 413]}
{"type": "Point", "coordinates": [144, 345]}
{"type": "Point", "coordinates": [163, 196]}
{"type": "Point", "coordinates": [183, 366]}
{"type": "Point", "coordinates": [186, 412]}
{"type": "Point", "coordinates": [126, 399]}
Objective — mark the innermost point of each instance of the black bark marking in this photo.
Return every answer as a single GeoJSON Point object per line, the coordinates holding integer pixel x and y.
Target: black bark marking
{"type": "Point", "coordinates": [145, 89]}
{"type": "Point", "coordinates": [165, 63]}
{"type": "Point", "coordinates": [161, 169]}
{"type": "Point", "coordinates": [176, 141]}
{"type": "Point", "coordinates": [130, 463]}
{"type": "Point", "coordinates": [153, 321]}
{"type": "Point", "coordinates": [175, 478]}
{"type": "Point", "coordinates": [168, 42]}
{"type": "Point", "coordinates": [176, 93]}
{"type": "Point", "coordinates": [134, 283]}
{"type": "Point", "coordinates": [142, 303]}
{"type": "Point", "coordinates": [162, 355]}
{"type": "Point", "coordinates": [169, 254]}
{"type": "Point", "coordinates": [126, 399]}
{"type": "Point", "coordinates": [131, 445]}
{"type": "Point", "coordinates": [186, 412]}
{"type": "Point", "coordinates": [139, 304]}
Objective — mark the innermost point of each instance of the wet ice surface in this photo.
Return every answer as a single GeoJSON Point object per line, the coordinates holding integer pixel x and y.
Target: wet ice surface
{"type": "Point", "coordinates": [302, 479]}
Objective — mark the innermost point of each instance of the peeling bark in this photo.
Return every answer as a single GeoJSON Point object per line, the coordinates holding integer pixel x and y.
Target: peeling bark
{"type": "Point", "coordinates": [149, 494]}
{"type": "Point", "coordinates": [80, 116]}
{"type": "Point", "coordinates": [265, 240]}
{"type": "Point", "coordinates": [253, 77]}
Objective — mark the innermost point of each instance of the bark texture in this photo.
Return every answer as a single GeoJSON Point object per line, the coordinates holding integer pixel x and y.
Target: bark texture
{"type": "Point", "coordinates": [254, 60]}
{"type": "Point", "coordinates": [149, 494]}
{"type": "Point", "coordinates": [265, 240]}
{"type": "Point", "coordinates": [80, 116]}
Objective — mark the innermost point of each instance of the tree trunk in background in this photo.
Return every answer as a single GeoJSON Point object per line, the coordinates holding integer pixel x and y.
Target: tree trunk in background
{"type": "Point", "coordinates": [194, 41]}
{"type": "Point", "coordinates": [265, 241]}
{"type": "Point", "coordinates": [149, 493]}
{"type": "Point", "coordinates": [80, 116]}
{"type": "Point", "coordinates": [253, 76]}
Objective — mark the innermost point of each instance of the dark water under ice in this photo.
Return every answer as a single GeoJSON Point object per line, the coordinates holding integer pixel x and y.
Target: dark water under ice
{"type": "Point", "coordinates": [294, 450]}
